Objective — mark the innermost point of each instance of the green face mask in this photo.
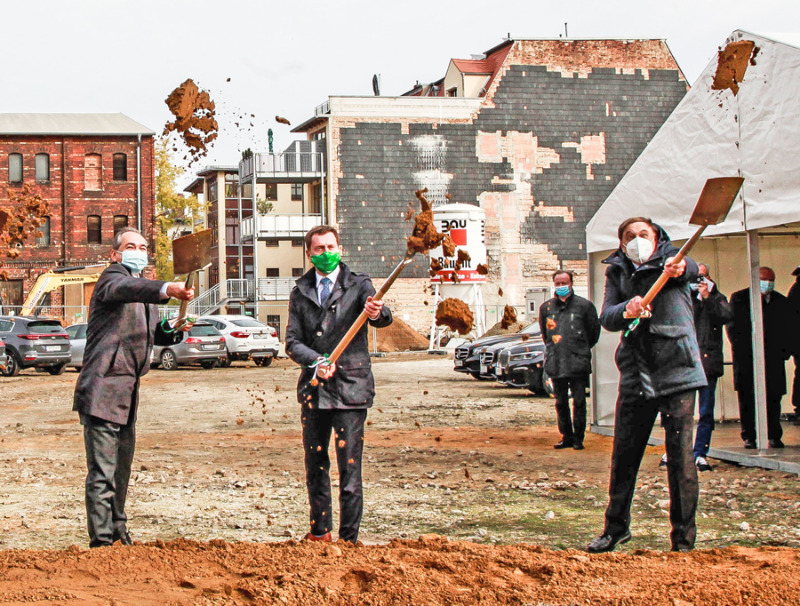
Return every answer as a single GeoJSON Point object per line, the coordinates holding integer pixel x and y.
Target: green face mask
{"type": "Point", "coordinates": [327, 261]}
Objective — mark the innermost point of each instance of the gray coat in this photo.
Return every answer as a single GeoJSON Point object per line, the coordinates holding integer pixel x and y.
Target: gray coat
{"type": "Point", "coordinates": [123, 322]}
{"type": "Point", "coordinates": [313, 331]}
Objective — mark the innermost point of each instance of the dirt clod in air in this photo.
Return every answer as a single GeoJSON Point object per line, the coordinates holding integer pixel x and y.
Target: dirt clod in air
{"type": "Point", "coordinates": [483, 269]}
{"type": "Point", "coordinates": [448, 246]}
{"type": "Point", "coordinates": [436, 267]}
{"type": "Point", "coordinates": [195, 118]}
{"type": "Point", "coordinates": [424, 237]}
{"type": "Point", "coordinates": [732, 64]}
{"type": "Point", "coordinates": [282, 120]}
{"type": "Point", "coordinates": [455, 314]}
{"type": "Point", "coordinates": [509, 316]}
{"type": "Point", "coordinates": [499, 292]}
{"type": "Point", "coordinates": [26, 213]}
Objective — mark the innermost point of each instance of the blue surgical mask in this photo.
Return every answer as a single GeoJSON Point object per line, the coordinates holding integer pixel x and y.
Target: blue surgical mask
{"type": "Point", "coordinates": [766, 286]}
{"type": "Point", "coordinates": [135, 260]}
{"type": "Point", "coordinates": [562, 291]}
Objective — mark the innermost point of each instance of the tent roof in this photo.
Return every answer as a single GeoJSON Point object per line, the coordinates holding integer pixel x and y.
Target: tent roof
{"type": "Point", "coordinates": [716, 133]}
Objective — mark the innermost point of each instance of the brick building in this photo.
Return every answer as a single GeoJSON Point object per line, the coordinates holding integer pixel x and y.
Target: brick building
{"type": "Point", "coordinates": [96, 173]}
{"type": "Point", "coordinates": [536, 132]}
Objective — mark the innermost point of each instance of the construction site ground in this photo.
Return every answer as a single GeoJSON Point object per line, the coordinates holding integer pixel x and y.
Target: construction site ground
{"type": "Point", "coordinates": [466, 502]}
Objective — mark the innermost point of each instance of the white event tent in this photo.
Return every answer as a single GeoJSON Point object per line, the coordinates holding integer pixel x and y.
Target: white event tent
{"type": "Point", "coordinates": [755, 134]}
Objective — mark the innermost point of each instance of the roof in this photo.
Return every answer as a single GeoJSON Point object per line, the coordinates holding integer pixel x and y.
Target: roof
{"type": "Point", "coordinates": [714, 132]}
{"type": "Point", "coordinates": [71, 124]}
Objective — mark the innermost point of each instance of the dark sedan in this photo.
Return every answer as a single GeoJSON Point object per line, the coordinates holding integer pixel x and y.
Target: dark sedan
{"type": "Point", "coordinates": [522, 365]}
{"type": "Point", "coordinates": [467, 357]}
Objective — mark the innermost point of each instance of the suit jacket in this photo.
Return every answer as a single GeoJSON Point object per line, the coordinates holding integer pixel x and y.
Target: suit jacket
{"type": "Point", "coordinates": [570, 329]}
{"type": "Point", "coordinates": [123, 321]}
{"type": "Point", "coordinates": [777, 317]}
{"type": "Point", "coordinates": [314, 330]}
{"type": "Point", "coordinates": [710, 315]}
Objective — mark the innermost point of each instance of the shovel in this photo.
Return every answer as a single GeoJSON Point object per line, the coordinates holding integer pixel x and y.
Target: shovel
{"type": "Point", "coordinates": [713, 206]}
{"type": "Point", "coordinates": [190, 254]}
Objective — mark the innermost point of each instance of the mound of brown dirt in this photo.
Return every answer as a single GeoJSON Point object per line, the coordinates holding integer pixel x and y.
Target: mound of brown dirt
{"type": "Point", "coordinates": [431, 570]}
{"type": "Point", "coordinates": [398, 336]}
{"type": "Point", "coordinates": [498, 329]}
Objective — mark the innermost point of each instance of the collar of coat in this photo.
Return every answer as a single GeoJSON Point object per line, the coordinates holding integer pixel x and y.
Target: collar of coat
{"type": "Point", "coordinates": [307, 284]}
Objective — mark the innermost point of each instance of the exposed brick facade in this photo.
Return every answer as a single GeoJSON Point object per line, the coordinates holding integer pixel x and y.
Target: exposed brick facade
{"type": "Point", "coordinates": [71, 203]}
{"type": "Point", "coordinates": [559, 126]}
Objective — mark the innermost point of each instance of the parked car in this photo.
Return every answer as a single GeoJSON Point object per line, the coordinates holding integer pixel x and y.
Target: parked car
{"type": "Point", "coordinates": [467, 357]}
{"type": "Point", "coordinates": [202, 344]}
{"type": "Point", "coordinates": [77, 338]}
{"type": "Point", "coordinates": [246, 338]}
{"type": "Point", "coordinates": [34, 342]}
{"type": "Point", "coordinates": [522, 365]}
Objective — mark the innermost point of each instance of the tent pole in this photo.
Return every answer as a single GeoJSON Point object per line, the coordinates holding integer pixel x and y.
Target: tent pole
{"type": "Point", "coordinates": [757, 322]}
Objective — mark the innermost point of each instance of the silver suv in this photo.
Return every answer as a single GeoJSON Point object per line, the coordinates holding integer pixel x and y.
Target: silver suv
{"type": "Point", "coordinates": [34, 342]}
{"type": "Point", "coordinates": [246, 338]}
{"type": "Point", "coordinates": [202, 344]}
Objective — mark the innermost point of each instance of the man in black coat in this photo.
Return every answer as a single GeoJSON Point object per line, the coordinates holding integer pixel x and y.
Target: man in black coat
{"type": "Point", "coordinates": [333, 397]}
{"type": "Point", "coordinates": [123, 324]}
{"type": "Point", "coordinates": [660, 370]}
{"type": "Point", "coordinates": [711, 312]}
{"type": "Point", "coordinates": [777, 317]}
{"type": "Point", "coordinates": [570, 329]}
{"type": "Point", "coordinates": [794, 301]}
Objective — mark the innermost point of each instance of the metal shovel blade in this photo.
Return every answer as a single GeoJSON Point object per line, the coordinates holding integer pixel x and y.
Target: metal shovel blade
{"type": "Point", "coordinates": [191, 252]}
{"type": "Point", "coordinates": [716, 200]}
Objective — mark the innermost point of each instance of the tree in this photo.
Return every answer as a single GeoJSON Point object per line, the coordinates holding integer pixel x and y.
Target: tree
{"type": "Point", "coordinates": [175, 213]}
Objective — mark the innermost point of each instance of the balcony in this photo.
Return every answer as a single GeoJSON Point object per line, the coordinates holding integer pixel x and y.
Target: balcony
{"type": "Point", "coordinates": [296, 166]}
{"type": "Point", "coordinates": [275, 289]}
{"type": "Point", "coordinates": [278, 226]}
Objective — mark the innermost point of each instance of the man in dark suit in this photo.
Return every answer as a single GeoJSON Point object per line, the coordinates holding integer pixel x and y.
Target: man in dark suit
{"type": "Point", "coordinates": [333, 397]}
{"type": "Point", "coordinates": [794, 300]}
{"type": "Point", "coordinates": [777, 317]}
{"type": "Point", "coordinates": [123, 324]}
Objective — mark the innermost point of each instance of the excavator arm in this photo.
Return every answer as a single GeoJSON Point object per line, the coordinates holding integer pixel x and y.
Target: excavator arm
{"type": "Point", "coordinates": [56, 278]}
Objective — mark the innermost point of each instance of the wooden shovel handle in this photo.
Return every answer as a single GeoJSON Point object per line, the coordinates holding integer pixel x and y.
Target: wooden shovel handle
{"type": "Point", "coordinates": [180, 320]}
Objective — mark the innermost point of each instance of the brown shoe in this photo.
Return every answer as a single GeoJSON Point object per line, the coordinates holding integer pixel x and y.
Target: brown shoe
{"type": "Point", "coordinates": [326, 538]}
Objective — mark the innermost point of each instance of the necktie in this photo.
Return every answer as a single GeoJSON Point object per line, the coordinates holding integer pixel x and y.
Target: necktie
{"type": "Point", "coordinates": [326, 291]}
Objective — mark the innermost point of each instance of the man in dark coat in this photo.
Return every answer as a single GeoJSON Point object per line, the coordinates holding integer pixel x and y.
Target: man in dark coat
{"type": "Point", "coordinates": [333, 397]}
{"type": "Point", "coordinates": [660, 370]}
{"type": "Point", "coordinates": [123, 323]}
{"type": "Point", "coordinates": [711, 312]}
{"type": "Point", "coordinates": [794, 301]}
{"type": "Point", "coordinates": [777, 315]}
{"type": "Point", "coordinates": [570, 329]}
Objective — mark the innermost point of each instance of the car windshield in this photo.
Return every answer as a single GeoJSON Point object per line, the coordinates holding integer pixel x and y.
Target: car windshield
{"type": "Point", "coordinates": [248, 323]}
{"type": "Point", "coordinates": [532, 329]}
{"type": "Point", "coordinates": [203, 330]}
{"type": "Point", "coordinates": [44, 327]}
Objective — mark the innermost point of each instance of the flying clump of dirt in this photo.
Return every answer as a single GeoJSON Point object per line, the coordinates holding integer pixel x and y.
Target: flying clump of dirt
{"type": "Point", "coordinates": [21, 221]}
{"type": "Point", "coordinates": [509, 317]}
{"type": "Point", "coordinates": [455, 314]}
{"type": "Point", "coordinates": [424, 237]}
{"type": "Point", "coordinates": [436, 267]}
{"type": "Point", "coordinates": [732, 64]}
{"type": "Point", "coordinates": [482, 269]}
{"type": "Point", "coordinates": [195, 118]}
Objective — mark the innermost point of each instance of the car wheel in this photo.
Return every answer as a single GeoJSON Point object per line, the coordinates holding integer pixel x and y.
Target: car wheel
{"type": "Point", "coordinates": [12, 366]}
{"type": "Point", "coordinates": [208, 364]}
{"type": "Point", "coordinates": [168, 360]}
{"type": "Point", "coordinates": [265, 361]}
{"type": "Point", "coordinates": [226, 361]}
{"type": "Point", "coordinates": [58, 369]}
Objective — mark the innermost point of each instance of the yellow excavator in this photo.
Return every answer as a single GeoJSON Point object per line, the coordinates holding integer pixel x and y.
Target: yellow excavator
{"type": "Point", "coordinates": [55, 278]}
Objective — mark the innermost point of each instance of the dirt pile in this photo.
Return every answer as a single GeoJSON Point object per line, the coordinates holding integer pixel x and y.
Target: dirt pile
{"type": "Point", "coordinates": [455, 314]}
{"type": "Point", "coordinates": [498, 329]}
{"type": "Point", "coordinates": [430, 570]}
{"type": "Point", "coordinates": [195, 120]}
{"type": "Point", "coordinates": [398, 336]}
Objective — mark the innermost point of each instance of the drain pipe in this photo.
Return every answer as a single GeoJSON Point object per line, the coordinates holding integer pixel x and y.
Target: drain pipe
{"type": "Point", "coordinates": [139, 183]}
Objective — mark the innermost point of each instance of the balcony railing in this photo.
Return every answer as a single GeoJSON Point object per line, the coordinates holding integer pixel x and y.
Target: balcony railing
{"type": "Point", "coordinates": [275, 289]}
{"type": "Point", "coordinates": [288, 164]}
{"type": "Point", "coordinates": [278, 226]}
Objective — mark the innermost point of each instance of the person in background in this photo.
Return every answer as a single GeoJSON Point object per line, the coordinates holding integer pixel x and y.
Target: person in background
{"type": "Point", "coordinates": [570, 328]}
{"type": "Point", "coordinates": [794, 301]}
{"type": "Point", "coordinates": [660, 371]}
{"type": "Point", "coordinates": [777, 315]}
{"type": "Point", "coordinates": [123, 325]}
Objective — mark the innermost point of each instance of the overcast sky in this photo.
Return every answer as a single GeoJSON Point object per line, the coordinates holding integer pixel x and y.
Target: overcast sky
{"type": "Point", "coordinates": [286, 58]}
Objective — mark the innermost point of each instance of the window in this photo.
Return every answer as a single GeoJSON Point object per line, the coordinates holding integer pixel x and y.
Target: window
{"type": "Point", "coordinates": [297, 191]}
{"type": "Point", "coordinates": [93, 229]}
{"type": "Point", "coordinates": [120, 221]}
{"type": "Point", "coordinates": [297, 272]}
{"type": "Point", "coordinates": [452, 92]}
{"type": "Point", "coordinates": [271, 242]}
{"type": "Point", "coordinates": [231, 186]}
{"type": "Point", "coordinates": [315, 203]}
{"type": "Point", "coordinates": [42, 168]}
{"type": "Point", "coordinates": [15, 168]}
{"type": "Point", "coordinates": [298, 242]}
{"type": "Point", "coordinates": [212, 190]}
{"type": "Point", "coordinates": [44, 239]}
{"type": "Point", "coordinates": [231, 232]}
{"type": "Point", "coordinates": [120, 167]}
{"type": "Point", "coordinates": [92, 172]}
{"type": "Point", "coordinates": [273, 272]}
{"type": "Point", "coordinates": [272, 192]}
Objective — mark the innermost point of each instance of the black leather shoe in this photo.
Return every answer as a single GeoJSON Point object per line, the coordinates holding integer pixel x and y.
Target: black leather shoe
{"type": "Point", "coordinates": [606, 542]}
{"type": "Point", "coordinates": [564, 443]}
{"type": "Point", "coordinates": [750, 444]}
{"type": "Point", "coordinates": [123, 536]}
{"type": "Point", "coordinates": [578, 445]}
{"type": "Point", "coordinates": [775, 444]}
